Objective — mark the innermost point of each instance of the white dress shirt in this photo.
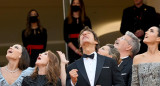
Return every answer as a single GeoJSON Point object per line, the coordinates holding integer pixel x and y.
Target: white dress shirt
{"type": "Point", "coordinates": [90, 66]}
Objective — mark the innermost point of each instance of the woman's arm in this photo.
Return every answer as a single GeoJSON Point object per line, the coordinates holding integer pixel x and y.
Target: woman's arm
{"type": "Point", "coordinates": [71, 45]}
{"type": "Point", "coordinates": [63, 70]}
{"type": "Point", "coordinates": [135, 79]}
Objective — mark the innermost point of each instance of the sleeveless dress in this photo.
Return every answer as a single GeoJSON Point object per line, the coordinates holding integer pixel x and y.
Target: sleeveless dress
{"type": "Point", "coordinates": [146, 74]}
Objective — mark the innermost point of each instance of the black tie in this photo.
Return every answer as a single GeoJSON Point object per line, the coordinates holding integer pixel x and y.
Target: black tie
{"type": "Point", "coordinates": [88, 56]}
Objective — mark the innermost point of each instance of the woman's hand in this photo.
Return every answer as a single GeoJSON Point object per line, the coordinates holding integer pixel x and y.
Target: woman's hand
{"type": "Point", "coordinates": [62, 57]}
{"type": "Point", "coordinates": [77, 51]}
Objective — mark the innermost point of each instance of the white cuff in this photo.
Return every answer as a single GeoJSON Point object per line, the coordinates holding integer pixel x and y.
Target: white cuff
{"type": "Point", "coordinates": [72, 83]}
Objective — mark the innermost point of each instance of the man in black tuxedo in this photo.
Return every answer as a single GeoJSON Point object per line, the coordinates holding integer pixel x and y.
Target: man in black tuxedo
{"type": "Point", "coordinates": [138, 19]}
{"type": "Point", "coordinates": [92, 69]}
{"type": "Point", "coordinates": [128, 46]}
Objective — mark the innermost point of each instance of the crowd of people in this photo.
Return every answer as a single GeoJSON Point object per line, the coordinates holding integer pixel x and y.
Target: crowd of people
{"type": "Point", "coordinates": [133, 59]}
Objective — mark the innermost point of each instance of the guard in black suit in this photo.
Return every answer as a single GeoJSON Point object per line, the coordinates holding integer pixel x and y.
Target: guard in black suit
{"type": "Point", "coordinates": [93, 69]}
{"type": "Point", "coordinates": [138, 19]}
{"type": "Point", "coordinates": [126, 70]}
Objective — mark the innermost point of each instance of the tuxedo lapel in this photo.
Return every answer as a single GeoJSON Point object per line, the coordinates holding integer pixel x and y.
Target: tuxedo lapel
{"type": "Point", "coordinates": [81, 68]}
{"type": "Point", "coordinates": [100, 62]}
{"type": "Point", "coordinates": [121, 66]}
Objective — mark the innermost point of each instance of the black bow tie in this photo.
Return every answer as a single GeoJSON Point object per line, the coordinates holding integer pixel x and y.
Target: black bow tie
{"type": "Point", "coordinates": [88, 56]}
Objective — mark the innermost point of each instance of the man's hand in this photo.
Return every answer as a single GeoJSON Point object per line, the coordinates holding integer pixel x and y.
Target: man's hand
{"type": "Point", "coordinates": [74, 75]}
{"type": "Point", "coordinates": [139, 33]}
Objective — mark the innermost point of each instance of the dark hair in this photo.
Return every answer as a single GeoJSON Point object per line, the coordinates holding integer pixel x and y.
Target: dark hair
{"type": "Point", "coordinates": [52, 70]}
{"type": "Point", "coordinates": [82, 12]}
{"type": "Point", "coordinates": [86, 28]}
{"type": "Point", "coordinates": [24, 61]}
{"type": "Point", "coordinates": [114, 53]}
{"type": "Point", "coordinates": [28, 25]}
{"type": "Point", "coordinates": [158, 31]}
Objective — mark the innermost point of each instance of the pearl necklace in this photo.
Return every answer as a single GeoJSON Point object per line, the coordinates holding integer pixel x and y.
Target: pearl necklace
{"type": "Point", "coordinates": [10, 70]}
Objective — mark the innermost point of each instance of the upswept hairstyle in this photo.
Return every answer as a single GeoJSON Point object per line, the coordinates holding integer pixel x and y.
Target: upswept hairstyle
{"type": "Point", "coordinates": [24, 61]}
{"type": "Point", "coordinates": [158, 30]}
{"type": "Point", "coordinates": [86, 28]}
{"type": "Point", "coordinates": [28, 24]}
{"type": "Point", "coordinates": [52, 70]}
{"type": "Point", "coordinates": [82, 12]}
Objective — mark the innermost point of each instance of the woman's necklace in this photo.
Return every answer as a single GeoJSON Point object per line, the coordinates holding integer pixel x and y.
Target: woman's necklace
{"type": "Point", "coordinates": [6, 68]}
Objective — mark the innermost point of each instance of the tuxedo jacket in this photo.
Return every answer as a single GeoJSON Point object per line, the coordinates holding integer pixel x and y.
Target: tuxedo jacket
{"type": "Point", "coordinates": [107, 73]}
{"type": "Point", "coordinates": [126, 70]}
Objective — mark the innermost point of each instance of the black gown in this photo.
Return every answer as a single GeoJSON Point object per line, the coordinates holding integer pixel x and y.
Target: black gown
{"type": "Point", "coordinates": [71, 33]}
{"type": "Point", "coordinates": [35, 43]}
{"type": "Point", "coordinates": [40, 80]}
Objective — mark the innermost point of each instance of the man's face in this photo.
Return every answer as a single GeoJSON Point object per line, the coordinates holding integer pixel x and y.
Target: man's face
{"type": "Point", "coordinates": [87, 37]}
{"type": "Point", "coordinates": [104, 50]}
{"type": "Point", "coordinates": [137, 2]}
{"type": "Point", "coordinates": [122, 43]}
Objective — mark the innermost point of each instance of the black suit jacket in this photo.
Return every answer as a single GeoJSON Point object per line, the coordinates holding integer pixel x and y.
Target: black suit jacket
{"type": "Point", "coordinates": [126, 70]}
{"type": "Point", "coordinates": [107, 73]}
{"type": "Point", "coordinates": [135, 18]}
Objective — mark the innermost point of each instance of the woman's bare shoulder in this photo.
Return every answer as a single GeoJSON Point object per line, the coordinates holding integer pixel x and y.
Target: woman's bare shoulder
{"type": "Point", "coordinates": [138, 58]}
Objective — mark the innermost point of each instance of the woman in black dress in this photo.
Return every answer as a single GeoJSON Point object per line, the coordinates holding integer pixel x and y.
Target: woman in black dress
{"type": "Point", "coordinates": [47, 71]}
{"type": "Point", "coordinates": [34, 37]}
{"type": "Point", "coordinates": [73, 24]}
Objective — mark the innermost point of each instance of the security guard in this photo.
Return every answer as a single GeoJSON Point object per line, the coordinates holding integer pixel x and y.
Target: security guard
{"type": "Point", "coordinates": [138, 19]}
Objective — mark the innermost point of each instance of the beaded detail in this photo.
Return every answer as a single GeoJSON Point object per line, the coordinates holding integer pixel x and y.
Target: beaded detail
{"type": "Point", "coordinates": [146, 74]}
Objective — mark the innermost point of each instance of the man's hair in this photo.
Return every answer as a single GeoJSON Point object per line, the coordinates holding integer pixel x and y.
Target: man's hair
{"type": "Point", "coordinates": [134, 42]}
{"type": "Point", "coordinates": [114, 53]}
{"type": "Point", "coordinates": [86, 28]}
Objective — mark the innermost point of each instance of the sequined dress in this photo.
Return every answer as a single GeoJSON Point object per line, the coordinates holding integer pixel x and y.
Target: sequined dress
{"type": "Point", "coordinates": [146, 74]}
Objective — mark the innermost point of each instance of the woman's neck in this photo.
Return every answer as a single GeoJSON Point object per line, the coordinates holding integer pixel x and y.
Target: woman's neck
{"type": "Point", "coordinates": [12, 65]}
{"type": "Point", "coordinates": [152, 49]}
{"type": "Point", "coordinates": [76, 14]}
{"type": "Point", "coordinates": [34, 25]}
{"type": "Point", "coordinates": [42, 70]}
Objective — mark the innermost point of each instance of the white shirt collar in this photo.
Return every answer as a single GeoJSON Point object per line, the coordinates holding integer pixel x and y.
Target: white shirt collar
{"type": "Point", "coordinates": [90, 67]}
{"type": "Point", "coordinates": [124, 57]}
